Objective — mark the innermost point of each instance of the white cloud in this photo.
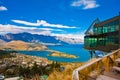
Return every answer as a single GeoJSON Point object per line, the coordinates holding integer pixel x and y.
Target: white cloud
{"type": "Point", "coordinates": [70, 38]}
{"type": "Point", "coordinates": [78, 37]}
{"type": "Point", "coordinates": [41, 23]}
{"type": "Point", "coordinates": [74, 36]}
{"type": "Point", "coordinates": [86, 4]}
{"type": "Point", "coordinates": [3, 8]}
{"type": "Point", "coordinates": [19, 29]}
{"type": "Point", "coordinates": [26, 23]}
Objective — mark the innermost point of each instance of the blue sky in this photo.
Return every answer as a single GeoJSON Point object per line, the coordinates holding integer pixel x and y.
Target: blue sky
{"type": "Point", "coordinates": [66, 18]}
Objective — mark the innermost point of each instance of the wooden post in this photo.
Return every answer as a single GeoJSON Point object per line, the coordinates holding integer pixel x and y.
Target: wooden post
{"type": "Point", "coordinates": [86, 73]}
{"type": "Point", "coordinates": [118, 54]}
{"type": "Point", "coordinates": [119, 31]}
{"type": "Point", "coordinates": [98, 67]}
{"type": "Point", "coordinates": [107, 64]}
{"type": "Point", "coordinates": [114, 55]}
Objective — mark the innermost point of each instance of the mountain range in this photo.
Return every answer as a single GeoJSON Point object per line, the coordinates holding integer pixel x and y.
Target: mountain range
{"type": "Point", "coordinates": [35, 38]}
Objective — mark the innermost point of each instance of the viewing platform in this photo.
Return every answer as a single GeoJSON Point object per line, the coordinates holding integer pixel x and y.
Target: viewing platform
{"type": "Point", "coordinates": [105, 68]}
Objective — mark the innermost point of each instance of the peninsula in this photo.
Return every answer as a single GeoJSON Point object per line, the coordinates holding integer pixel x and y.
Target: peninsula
{"type": "Point", "coordinates": [61, 54]}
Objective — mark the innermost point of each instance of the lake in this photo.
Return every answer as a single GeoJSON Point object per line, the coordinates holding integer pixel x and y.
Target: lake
{"type": "Point", "coordinates": [78, 50]}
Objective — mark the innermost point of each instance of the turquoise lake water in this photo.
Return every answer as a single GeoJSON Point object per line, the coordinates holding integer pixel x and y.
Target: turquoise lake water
{"type": "Point", "coordinates": [78, 50]}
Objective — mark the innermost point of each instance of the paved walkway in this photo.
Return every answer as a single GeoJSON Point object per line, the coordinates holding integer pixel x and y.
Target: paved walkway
{"type": "Point", "coordinates": [13, 78]}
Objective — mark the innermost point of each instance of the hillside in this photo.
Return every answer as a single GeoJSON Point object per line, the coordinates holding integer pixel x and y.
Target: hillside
{"type": "Point", "coordinates": [27, 37]}
{"type": "Point", "coordinates": [21, 45]}
{"type": "Point", "coordinates": [1, 42]}
{"type": "Point", "coordinates": [43, 39]}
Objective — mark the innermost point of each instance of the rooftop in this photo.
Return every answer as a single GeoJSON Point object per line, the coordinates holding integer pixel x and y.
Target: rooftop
{"type": "Point", "coordinates": [107, 21]}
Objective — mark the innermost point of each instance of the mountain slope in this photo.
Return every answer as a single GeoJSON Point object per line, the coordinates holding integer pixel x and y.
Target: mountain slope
{"type": "Point", "coordinates": [1, 42]}
{"type": "Point", "coordinates": [27, 37]}
{"type": "Point", "coordinates": [20, 45]}
{"type": "Point", "coordinates": [35, 38]}
{"type": "Point", "coordinates": [70, 40]}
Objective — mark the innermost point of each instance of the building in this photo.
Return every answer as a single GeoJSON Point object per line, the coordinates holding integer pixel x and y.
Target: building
{"type": "Point", "coordinates": [103, 35]}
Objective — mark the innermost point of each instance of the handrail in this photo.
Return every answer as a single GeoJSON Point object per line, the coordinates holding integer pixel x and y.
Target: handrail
{"type": "Point", "coordinates": [75, 75]}
{"type": "Point", "coordinates": [84, 66]}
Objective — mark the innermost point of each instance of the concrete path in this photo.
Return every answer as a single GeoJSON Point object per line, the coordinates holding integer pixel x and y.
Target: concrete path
{"type": "Point", "coordinates": [13, 78]}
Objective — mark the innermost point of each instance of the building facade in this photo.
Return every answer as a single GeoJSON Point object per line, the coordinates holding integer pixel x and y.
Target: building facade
{"type": "Point", "coordinates": [103, 35]}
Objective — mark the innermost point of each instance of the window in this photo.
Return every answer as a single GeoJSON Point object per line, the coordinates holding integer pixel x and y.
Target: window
{"type": "Point", "coordinates": [109, 27]}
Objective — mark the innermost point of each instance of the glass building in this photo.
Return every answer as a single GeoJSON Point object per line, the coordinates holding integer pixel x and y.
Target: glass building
{"type": "Point", "coordinates": [103, 35]}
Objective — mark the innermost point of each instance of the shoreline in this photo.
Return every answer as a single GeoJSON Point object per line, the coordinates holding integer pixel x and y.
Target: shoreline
{"type": "Point", "coordinates": [59, 55]}
{"type": "Point", "coordinates": [28, 60]}
{"type": "Point", "coordinates": [54, 53]}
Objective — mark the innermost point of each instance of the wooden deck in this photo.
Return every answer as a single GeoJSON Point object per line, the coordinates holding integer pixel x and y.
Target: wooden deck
{"type": "Point", "coordinates": [103, 77]}
{"type": "Point", "coordinates": [99, 66]}
{"type": "Point", "coordinates": [112, 75]}
{"type": "Point", "coordinates": [117, 60]}
{"type": "Point", "coordinates": [115, 68]}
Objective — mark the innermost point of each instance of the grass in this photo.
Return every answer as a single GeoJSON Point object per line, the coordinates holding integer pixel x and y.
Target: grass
{"type": "Point", "coordinates": [66, 74]}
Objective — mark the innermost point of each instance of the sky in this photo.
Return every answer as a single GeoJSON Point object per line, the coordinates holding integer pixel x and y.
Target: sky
{"type": "Point", "coordinates": [64, 18]}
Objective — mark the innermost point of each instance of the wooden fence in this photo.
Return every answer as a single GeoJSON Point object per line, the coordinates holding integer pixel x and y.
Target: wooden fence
{"type": "Point", "coordinates": [100, 65]}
